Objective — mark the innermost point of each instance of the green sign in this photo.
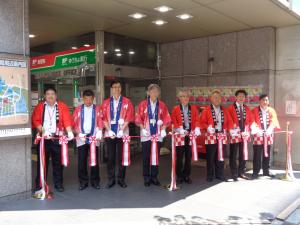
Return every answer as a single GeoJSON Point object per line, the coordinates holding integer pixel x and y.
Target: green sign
{"type": "Point", "coordinates": [61, 61]}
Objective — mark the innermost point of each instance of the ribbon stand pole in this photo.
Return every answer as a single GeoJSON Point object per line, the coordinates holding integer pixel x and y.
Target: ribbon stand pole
{"type": "Point", "coordinates": [289, 174]}
{"type": "Point", "coordinates": [173, 186]}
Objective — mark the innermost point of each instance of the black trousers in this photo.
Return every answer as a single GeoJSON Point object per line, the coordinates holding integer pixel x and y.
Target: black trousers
{"type": "Point", "coordinates": [183, 167]}
{"type": "Point", "coordinates": [149, 172]}
{"type": "Point", "coordinates": [83, 155]}
{"type": "Point", "coordinates": [259, 159]}
{"type": "Point", "coordinates": [213, 166]}
{"type": "Point", "coordinates": [234, 150]}
{"type": "Point", "coordinates": [53, 150]}
{"type": "Point", "coordinates": [114, 153]}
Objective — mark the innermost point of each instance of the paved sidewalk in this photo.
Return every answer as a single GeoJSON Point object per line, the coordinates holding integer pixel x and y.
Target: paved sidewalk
{"type": "Point", "coordinates": [243, 202]}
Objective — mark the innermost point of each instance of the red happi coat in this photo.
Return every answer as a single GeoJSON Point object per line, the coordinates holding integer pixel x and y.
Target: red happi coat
{"type": "Point", "coordinates": [127, 113]}
{"type": "Point", "coordinates": [178, 123]}
{"type": "Point", "coordinates": [142, 117]}
{"type": "Point", "coordinates": [65, 118]}
{"type": "Point", "coordinates": [234, 117]}
{"type": "Point", "coordinates": [206, 120]}
{"type": "Point", "coordinates": [77, 122]}
{"type": "Point", "coordinates": [273, 121]}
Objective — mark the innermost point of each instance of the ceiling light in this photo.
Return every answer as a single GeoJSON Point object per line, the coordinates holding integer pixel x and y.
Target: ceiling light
{"type": "Point", "coordinates": [105, 52]}
{"type": "Point", "coordinates": [137, 15]}
{"type": "Point", "coordinates": [184, 16]}
{"type": "Point", "coordinates": [86, 45]}
{"type": "Point", "coordinates": [159, 22]}
{"type": "Point", "coordinates": [118, 54]}
{"type": "Point", "coordinates": [74, 47]}
{"type": "Point", "coordinates": [32, 36]}
{"type": "Point", "coordinates": [131, 52]}
{"type": "Point", "coordinates": [163, 8]}
{"type": "Point", "coordinates": [117, 50]}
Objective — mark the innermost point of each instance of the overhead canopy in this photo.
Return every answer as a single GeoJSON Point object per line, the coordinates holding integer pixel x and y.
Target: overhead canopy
{"type": "Point", "coordinates": [51, 20]}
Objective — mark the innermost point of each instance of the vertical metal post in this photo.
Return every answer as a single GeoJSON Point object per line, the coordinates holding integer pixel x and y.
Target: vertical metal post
{"type": "Point", "coordinates": [99, 67]}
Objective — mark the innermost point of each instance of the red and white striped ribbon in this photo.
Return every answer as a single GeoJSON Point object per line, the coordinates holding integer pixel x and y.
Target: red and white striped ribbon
{"type": "Point", "coordinates": [193, 137]}
{"type": "Point", "coordinates": [245, 137]}
{"type": "Point", "coordinates": [63, 141]}
{"type": "Point", "coordinates": [221, 137]}
{"type": "Point", "coordinates": [126, 151]}
{"type": "Point", "coordinates": [154, 151]}
{"type": "Point", "coordinates": [93, 150]}
{"type": "Point", "coordinates": [173, 171]}
{"type": "Point", "coordinates": [266, 154]}
{"type": "Point", "coordinates": [43, 183]}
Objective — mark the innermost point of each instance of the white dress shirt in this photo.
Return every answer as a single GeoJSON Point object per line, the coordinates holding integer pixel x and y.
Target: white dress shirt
{"type": "Point", "coordinates": [185, 110]}
{"type": "Point", "coordinates": [153, 106]}
{"type": "Point", "coordinates": [50, 118]}
{"type": "Point", "coordinates": [88, 116]}
{"type": "Point", "coordinates": [239, 106]}
{"type": "Point", "coordinates": [218, 118]}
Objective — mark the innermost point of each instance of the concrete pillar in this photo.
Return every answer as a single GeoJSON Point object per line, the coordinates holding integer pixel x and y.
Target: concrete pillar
{"type": "Point", "coordinates": [15, 153]}
{"type": "Point", "coordinates": [99, 42]}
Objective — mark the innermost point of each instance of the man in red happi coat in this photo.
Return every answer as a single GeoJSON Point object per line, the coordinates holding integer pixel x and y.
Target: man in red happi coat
{"type": "Point", "coordinates": [52, 118]}
{"type": "Point", "coordinates": [185, 120]}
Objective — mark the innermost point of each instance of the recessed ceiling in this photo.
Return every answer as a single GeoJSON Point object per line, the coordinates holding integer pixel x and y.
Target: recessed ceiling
{"type": "Point", "coordinates": [52, 20]}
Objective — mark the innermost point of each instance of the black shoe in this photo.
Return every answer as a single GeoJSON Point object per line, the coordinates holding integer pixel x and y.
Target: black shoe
{"type": "Point", "coordinates": [95, 185]}
{"type": "Point", "coordinates": [221, 179]}
{"type": "Point", "coordinates": [155, 182]}
{"type": "Point", "coordinates": [269, 175]}
{"type": "Point", "coordinates": [110, 184]}
{"type": "Point", "coordinates": [209, 179]}
{"type": "Point", "coordinates": [147, 183]}
{"type": "Point", "coordinates": [254, 176]}
{"type": "Point", "coordinates": [188, 180]}
{"type": "Point", "coordinates": [243, 176]}
{"type": "Point", "coordinates": [235, 179]}
{"type": "Point", "coordinates": [122, 184]}
{"type": "Point", "coordinates": [83, 186]}
{"type": "Point", "coordinates": [59, 188]}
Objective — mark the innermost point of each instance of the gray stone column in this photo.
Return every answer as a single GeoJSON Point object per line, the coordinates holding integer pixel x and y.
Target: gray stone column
{"type": "Point", "coordinates": [99, 42]}
{"type": "Point", "coordinates": [15, 154]}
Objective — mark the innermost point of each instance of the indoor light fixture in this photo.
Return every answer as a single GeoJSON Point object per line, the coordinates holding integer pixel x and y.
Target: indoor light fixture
{"type": "Point", "coordinates": [163, 8]}
{"type": "Point", "coordinates": [32, 36]}
{"type": "Point", "coordinates": [137, 16]}
{"type": "Point", "coordinates": [159, 22]}
{"type": "Point", "coordinates": [184, 16]}
{"type": "Point", "coordinates": [118, 54]}
{"type": "Point", "coordinates": [86, 45]}
{"type": "Point", "coordinates": [131, 52]}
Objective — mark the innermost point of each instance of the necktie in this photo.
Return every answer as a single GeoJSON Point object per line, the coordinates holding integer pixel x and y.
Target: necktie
{"type": "Point", "coordinates": [242, 118]}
